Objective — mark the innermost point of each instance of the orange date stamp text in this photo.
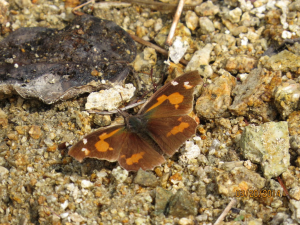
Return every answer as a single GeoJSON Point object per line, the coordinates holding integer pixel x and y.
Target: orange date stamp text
{"type": "Point", "coordinates": [266, 193]}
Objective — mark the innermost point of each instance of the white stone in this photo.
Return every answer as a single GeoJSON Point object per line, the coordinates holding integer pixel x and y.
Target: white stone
{"type": "Point", "coordinates": [86, 184]}
{"type": "Point", "coordinates": [286, 34]}
{"type": "Point", "coordinates": [75, 217]}
{"type": "Point", "coordinates": [120, 174]}
{"type": "Point", "coordinates": [64, 205]}
{"type": "Point", "coordinates": [191, 20]}
{"type": "Point", "coordinates": [3, 171]}
{"type": "Point", "coordinates": [75, 193]}
{"type": "Point", "coordinates": [206, 25]}
{"type": "Point", "coordinates": [201, 59]}
{"type": "Point", "coordinates": [185, 221]}
{"type": "Point", "coordinates": [245, 5]}
{"type": "Point", "coordinates": [192, 151]}
{"type": "Point", "coordinates": [70, 187]}
{"type": "Point", "coordinates": [244, 41]}
{"type": "Point", "coordinates": [235, 15]}
{"type": "Point", "coordinates": [158, 25]}
{"type": "Point", "coordinates": [268, 145]}
{"type": "Point", "coordinates": [64, 215]}
{"type": "Point", "coordinates": [84, 192]}
{"type": "Point", "coordinates": [178, 49]}
{"type": "Point", "coordinates": [148, 198]}
{"type": "Point", "coordinates": [30, 169]}
{"type": "Point", "coordinates": [140, 221]}
{"type": "Point", "coordinates": [243, 76]}
{"type": "Point", "coordinates": [111, 98]}
{"type": "Point", "coordinates": [294, 206]}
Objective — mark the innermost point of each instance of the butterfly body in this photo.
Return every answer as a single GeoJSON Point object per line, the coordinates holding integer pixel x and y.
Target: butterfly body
{"type": "Point", "coordinates": [160, 127]}
{"type": "Point", "coordinates": [136, 124]}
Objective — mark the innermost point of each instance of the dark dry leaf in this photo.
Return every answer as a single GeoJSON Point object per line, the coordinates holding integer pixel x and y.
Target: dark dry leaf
{"type": "Point", "coordinates": [53, 65]}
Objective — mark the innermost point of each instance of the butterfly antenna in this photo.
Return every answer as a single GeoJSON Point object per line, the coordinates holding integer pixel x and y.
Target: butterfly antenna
{"type": "Point", "coordinates": [122, 113]}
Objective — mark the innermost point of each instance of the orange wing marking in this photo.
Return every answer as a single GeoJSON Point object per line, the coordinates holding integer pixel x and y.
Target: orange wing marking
{"type": "Point", "coordinates": [178, 129]}
{"type": "Point", "coordinates": [102, 145]}
{"type": "Point", "coordinates": [174, 99]}
{"type": "Point", "coordinates": [134, 158]}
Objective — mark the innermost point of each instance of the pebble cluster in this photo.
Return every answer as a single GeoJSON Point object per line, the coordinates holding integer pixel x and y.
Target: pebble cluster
{"type": "Point", "coordinates": [248, 135]}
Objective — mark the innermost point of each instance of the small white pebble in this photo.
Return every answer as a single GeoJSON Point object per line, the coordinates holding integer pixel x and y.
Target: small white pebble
{"type": "Point", "coordinates": [64, 205]}
{"type": "Point", "coordinates": [121, 214]}
{"type": "Point", "coordinates": [64, 215]}
{"type": "Point", "coordinates": [84, 192]}
{"type": "Point", "coordinates": [86, 184]}
{"type": "Point", "coordinates": [148, 198]}
{"type": "Point", "coordinates": [244, 41]}
{"type": "Point", "coordinates": [286, 34]}
{"type": "Point", "coordinates": [185, 221]}
{"type": "Point", "coordinates": [120, 174]}
{"type": "Point", "coordinates": [113, 211]}
{"type": "Point", "coordinates": [29, 169]}
{"type": "Point", "coordinates": [70, 187]}
{"type": "Point", "coordinates": [140, 221]}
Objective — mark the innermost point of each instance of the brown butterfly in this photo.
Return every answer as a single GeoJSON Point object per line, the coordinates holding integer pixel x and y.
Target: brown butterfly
{"type": "Point", "coordinates": [160, 127]}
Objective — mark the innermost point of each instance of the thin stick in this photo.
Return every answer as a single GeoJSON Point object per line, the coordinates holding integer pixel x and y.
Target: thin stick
{"type": "Point", "coordinates": [176, 18]}
{"type": "Point", "coordinates": [116, 111]}
{"type": "Point", "coordinates": [160, 6]}
{"type": "Point", "coordinates": [157, 48]}
{"type": "Point", "coordinates": [74, 10]}
{"type": "Point", "coordinates": [226, 210]}
{"type": "Point", "coordinates": [283, 187]}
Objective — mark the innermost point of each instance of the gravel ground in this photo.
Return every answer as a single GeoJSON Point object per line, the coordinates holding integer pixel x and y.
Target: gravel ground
{"type": "Point", "coordinates": [247, 109]}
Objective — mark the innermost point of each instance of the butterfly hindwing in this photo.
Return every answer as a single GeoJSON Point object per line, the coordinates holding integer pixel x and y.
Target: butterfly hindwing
{"type": "Point", "coordinates": [104, 143]}
{"type": "Point", "coordinates": [137, 153]}
{"type": "Point", "coordinates": [173, 99]}
{"type": "Point", "coordinates": [170, 132]}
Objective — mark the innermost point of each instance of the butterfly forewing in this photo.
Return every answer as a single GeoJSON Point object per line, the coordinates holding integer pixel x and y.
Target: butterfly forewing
{"type": "Point", "coordinates": [173, 99]}
{"type": "Point", "coordinates": [104, 143]}
{"type": "Point", "coordinates": [170, 132]}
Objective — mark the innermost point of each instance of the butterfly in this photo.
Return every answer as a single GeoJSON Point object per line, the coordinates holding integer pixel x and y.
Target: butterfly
{"type": "Point", "coordinates": [160, 127]}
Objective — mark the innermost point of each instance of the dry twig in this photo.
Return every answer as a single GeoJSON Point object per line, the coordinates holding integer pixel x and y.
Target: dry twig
{"type": "Point", "coordinates": [176, 18]}
{"type": "Point", "coordinates": [157, 48]}
{"type": "Point", "coordinates": [74, 10]}
{"type": "Point", "coordinates": [160, 6]}
{"type": "Point", "coordinates": [226, 210]}
{"type": "Point", "coordinates": [284, 188]}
